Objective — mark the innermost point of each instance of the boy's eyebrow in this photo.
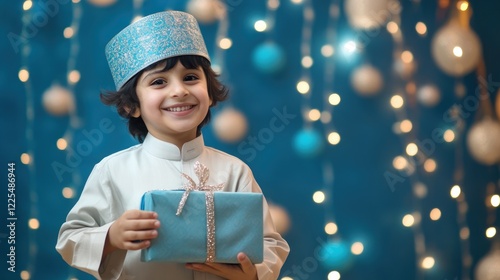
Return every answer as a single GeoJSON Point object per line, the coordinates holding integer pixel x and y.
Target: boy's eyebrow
{"type": "Point", "coordinates": [152, 72]}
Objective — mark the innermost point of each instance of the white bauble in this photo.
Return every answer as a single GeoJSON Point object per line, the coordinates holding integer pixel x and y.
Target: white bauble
{"type": "Point", "coordinates": [367, 80]}
{"type": "Point", "coordinates": [58, 100]}
{"type": "Point", "coordinates": [428, 95]}
{"type": "Point", "coordinates": [280, 218]}
{"type": "Point", "coordinates": [206, 11]}
{"type": "Point", "coordinates": [488, 267]}
{"type": "Point", "coordinates": [230, 125]}
{"type": "Point", "coordinates": [456, 49]}
{"type": "Point", "coordinates": [483, 141]}
{"type": "Point", "coordinates": [369, 14]}
{"type": "Point", "coordinates": [102, 3]}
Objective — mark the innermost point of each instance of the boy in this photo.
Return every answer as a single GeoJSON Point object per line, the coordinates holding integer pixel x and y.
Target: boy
{"type": "Point", "coordinates": [165, 88]}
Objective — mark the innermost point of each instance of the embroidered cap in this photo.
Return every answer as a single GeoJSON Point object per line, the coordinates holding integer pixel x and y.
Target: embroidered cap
{"type": "Point", "coordinates": [151, 39]}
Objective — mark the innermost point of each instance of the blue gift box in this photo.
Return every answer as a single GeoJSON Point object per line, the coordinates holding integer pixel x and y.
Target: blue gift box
{"type": "Point", "coordinates": [183, 238]}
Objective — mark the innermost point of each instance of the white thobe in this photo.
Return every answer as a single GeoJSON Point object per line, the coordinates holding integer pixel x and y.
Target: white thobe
{"type": "Point", "coordinates": [117, 184]}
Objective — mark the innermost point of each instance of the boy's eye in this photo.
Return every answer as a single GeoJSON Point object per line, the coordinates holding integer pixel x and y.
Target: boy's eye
{"type": "Point", "coordinates": [158, 82]}
{"type": "Point", "coordinates": [190, 78]}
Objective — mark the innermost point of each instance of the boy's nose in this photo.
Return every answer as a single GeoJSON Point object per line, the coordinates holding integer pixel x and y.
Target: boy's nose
{"type": "Point", "coordinates": [179, 90]}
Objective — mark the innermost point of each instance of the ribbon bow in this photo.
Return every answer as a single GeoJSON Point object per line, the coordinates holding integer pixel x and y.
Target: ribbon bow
{"type": "Point", "coordinates": [202, 173]}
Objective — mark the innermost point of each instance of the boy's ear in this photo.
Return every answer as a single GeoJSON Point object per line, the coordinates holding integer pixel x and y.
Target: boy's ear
{"type": "Point", "coordinates": [135, 114]}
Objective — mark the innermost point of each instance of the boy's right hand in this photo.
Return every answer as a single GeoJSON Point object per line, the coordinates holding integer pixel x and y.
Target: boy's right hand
{"type": "Point", "coordinates": [133, 230]}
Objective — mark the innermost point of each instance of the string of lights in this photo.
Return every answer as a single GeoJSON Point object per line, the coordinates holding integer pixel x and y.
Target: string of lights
{"type": "Point", "coordinates": [304, 85]}
{"type": "Point", "coordinates": [223, 43]}
{"type": "Point", "coordinates": [329, 101]}
{"type": "Point", "coordinates": [28, 158]}
{"type": "Point", "coordinates": [403, 102]}
{"type": "Point", "coordinates": [73, 77]}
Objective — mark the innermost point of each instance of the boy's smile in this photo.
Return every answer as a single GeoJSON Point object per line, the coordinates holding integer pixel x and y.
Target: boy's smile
{"type": "Point", "coordinates": [179, 108]}
{"type": "Point", "coordinates": [173, 103]}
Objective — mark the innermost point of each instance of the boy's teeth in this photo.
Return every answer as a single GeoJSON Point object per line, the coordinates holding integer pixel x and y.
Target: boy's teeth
{"type": "Point", "coordinates": [179, 109]}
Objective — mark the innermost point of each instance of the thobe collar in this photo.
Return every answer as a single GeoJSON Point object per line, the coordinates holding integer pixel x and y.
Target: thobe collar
{"type": "Point", "coordinates": [169, 151]}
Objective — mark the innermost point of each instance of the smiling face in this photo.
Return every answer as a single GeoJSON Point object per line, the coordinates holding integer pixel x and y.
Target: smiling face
{"type": "Point", "coordinates": [173, 102]}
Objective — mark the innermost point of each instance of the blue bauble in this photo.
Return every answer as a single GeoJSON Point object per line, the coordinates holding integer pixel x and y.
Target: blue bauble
{"type": "Point", "coordinates": [335, 255]}
{"type": "Point", "coordinates": [308, 143]}
{"type": "Point", "coordinates": [269, 58]}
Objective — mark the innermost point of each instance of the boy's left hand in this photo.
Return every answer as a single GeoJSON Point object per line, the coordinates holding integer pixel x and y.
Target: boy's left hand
{"type": "Point", "coordinates": [243, 271]}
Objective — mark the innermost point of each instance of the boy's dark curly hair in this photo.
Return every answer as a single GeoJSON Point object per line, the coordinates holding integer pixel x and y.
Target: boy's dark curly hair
{"type": "Point", "coordinates": [126, 101]}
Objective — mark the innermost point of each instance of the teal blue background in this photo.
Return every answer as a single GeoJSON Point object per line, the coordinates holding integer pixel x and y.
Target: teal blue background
{"type": "Point", "coordinates": [366, 208]}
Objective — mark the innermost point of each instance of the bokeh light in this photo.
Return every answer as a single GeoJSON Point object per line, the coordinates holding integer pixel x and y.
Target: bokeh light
{"type": "Point", "coordinates": [319, 197]}
{"type": "Point", "coordinates": [397, 101]}
{"type": "Point", "coordinates": [327, 50]}
{"type": "Point", "coordinates": [331, 228]}
{"type": "Point", "coordinates": [357, 248]}
{"type": "Point", "coordinates": [68, 192]}
{"type": "Point", "coordinates": [435, 214]}
{"type": "Point", "coordinates": [23, 75]}
{"type": "Point", "coordinates": [491, 232]}
{"type": "Point", "coordinates": [455, 191]}
{"type": "Point", "coordinates": [260, 26]}
{"type": "Point", "coordinates": [33, 223]}
{"type": "Point", "coordinates": [428, 263]}
{"type": "Point", "coordinates": [392, 27]}
{"type": "Point", "coordinates": [421, 28]}
{"type": "Point", "coordinates": [408, 220]}
{"type": "Point", "coordinates": [334, 99]}
{"type": "Point", "coordinates": [303, 87]}
{"type": "Point", "coordinates": [495, 200]}
{"type": "Point", "coordinates": [333, 138]}
{"type": "Point", "coordinates": [25, 158]}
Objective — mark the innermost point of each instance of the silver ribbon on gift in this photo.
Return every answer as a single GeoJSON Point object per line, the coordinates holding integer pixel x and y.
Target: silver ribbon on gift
{"type": "Point", "coordinates": [203, 173]}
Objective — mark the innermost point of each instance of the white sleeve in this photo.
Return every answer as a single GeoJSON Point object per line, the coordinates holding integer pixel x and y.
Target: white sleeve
{"type": "Point", "coordinates": [81, 238]}
{"type": "Point", "coordinates": [276, 249]}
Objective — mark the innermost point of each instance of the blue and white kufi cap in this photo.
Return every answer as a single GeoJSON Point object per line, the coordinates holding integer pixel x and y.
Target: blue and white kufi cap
{"type": "Point", "coordinates": [151, 39]}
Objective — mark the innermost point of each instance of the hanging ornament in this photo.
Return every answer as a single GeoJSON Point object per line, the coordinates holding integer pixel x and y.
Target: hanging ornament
{"type": "Point", "coordinates": [206, 11]}
{"type": "Point", "coordinates": [230, 125]}
{"type": "Point", "coordinates": [428, 95]}
{"type": "Point", "coordinates": [335, 255]}
{"type": "Point", "coordinates": [456, 49]}
{"type": "Point", "coordinates": [369, 14]}
{"type": "Point", "coordinates": [58, 100]}
{"type": "Point", "coordinates": [280, 218]}
{"type": "Point", "coordinates": [483, 141]}
{"type": "Point", "coordinates": [102, 3]}
{"type": "Point", "coordinates": [269, 58]}
{"type": "Point", "coordinates": [487, 268]}
{"type": "Point", "coordinates": [308, 143]}
{"type": "Point", "coordinates": [367, 80]}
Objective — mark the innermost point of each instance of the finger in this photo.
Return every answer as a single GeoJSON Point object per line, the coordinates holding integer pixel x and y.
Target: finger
{"type": "Point", "coordinates": [246, 264]}
{"type": "Point", "coordinates": [139, 214]}
{"type": "Point", "coordinates": [220, 266]}
{"type": "Point", "coordinates": [139, 245]}
{"type": "Point", "coordinates": [141, 224]}
{"type": "Point", "coordinates": [133, 236]}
